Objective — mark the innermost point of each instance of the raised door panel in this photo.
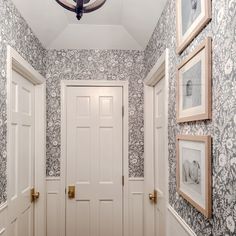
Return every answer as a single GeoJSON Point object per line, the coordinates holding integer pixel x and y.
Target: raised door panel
{"type": "Point", "coordinates": [83, 221]}
{"type": "Point", "coordinates": [106, 218]}
{"type": "Point", "coordinates": [106, 147]}
{"type": "Point", "coordinates": [83, 155]}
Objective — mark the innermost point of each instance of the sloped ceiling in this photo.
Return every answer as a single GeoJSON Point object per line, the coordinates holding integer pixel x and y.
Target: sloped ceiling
{"type": "Point", "coordinates": [119, 24]}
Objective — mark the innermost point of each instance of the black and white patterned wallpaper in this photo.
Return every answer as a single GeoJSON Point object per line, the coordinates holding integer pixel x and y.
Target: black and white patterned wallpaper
{"type": "Point", "coordinates": [15, 32]}
{"type": "Point", "coordinates": [223, 125]}
{"type": "Point", "coordinates": [133, 66]}
{"type": "Point", "coordinates": [95, 65]}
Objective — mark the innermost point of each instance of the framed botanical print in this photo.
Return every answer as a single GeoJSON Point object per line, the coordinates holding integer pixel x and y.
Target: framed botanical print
{"type": "Point", "coordinates": [192, 16]}
{"type": "Point", "coordinates": [194, 171]}
{"type": "Point", "coordinates": [194, 85]}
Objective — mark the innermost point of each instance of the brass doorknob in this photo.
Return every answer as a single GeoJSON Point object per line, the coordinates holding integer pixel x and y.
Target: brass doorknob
{"type": "Point", "coordinates": [71, 192]}
{"type": "Point", "coordinates": [153, 196]}
{"type": "Point", "coordinates": [34, 195]}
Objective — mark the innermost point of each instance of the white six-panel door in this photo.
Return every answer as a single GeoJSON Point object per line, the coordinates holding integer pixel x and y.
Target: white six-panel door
{"type": "Point", "coordinates": [160, 167]}
{"type": "Point", "coordinates": [21, 159]}
{"type": "Point", "coordinates": [94, 161]}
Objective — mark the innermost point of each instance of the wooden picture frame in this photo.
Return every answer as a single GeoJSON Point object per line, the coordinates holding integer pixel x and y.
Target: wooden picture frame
{"type": "Point", "coordinates": [194, 156]}
{"type": "Point", "coordinates": [190, 20]}
{"type": "Point", "coordinates": [194, 76]}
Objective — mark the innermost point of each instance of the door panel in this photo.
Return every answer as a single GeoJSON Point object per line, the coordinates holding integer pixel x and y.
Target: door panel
{"type": "Point", "coordinates": [159, 158]}
{"type": "Point", "coordinates": [21, 160]}
{"type": "Point", "coordinates": [94, 161]}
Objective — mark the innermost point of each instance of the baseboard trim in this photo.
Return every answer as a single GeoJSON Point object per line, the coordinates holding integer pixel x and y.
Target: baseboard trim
{"type": "Point", "coordinates": [3, 214]}
{"type": "Point", "coordinates": [2, 231]}
{"type": "Point", "coordinates": [181, 221]}
{"type": "Point", "coordinates": [3, 206]}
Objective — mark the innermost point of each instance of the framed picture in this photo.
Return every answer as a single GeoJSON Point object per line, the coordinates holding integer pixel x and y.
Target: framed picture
{"type": "Point", "coordinates": [192, 16]}
{"type": "Point", "coordinates": [194, 85]}
{"type": "Point", "coordinates": [194, 171]}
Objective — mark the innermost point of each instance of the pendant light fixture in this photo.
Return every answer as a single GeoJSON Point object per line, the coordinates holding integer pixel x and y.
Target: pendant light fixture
{"type": "Point", "coordinates": [81, 6]}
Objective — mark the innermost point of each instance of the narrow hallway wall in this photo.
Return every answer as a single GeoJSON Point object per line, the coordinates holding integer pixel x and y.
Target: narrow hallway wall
{"type": "Point", "coordinates": [95, 65]}
{"type": "Point", "coordinates": [223, 125]}
{"type": "Point", "coordinates": [15, 32]}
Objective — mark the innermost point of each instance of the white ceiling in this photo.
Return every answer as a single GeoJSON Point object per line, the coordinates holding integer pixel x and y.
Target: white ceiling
{"type": "Point", "coordinates": [119, 24]}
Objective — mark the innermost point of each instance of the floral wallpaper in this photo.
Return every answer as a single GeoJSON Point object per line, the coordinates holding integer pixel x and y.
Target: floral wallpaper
{"type": "Point", "coordinates": [95, 65]}
{"type": "Point", "coordinates": [133, 66]}
{"type": "Point", "coordinates": [15, 32]}
{"type": "Point", "coordinates": [222, 128]}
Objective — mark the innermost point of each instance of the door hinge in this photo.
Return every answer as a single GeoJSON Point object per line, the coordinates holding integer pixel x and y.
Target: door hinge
{"type": "Point", "coordinates": [123, 111]}
{"type": "Point", "coordinates": [123, 180]}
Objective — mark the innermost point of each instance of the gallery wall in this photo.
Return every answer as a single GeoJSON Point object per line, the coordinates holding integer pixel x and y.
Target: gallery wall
{"type": "Point", "coordinates": [14, 31]}
{"type": "Point", "coordinates": [128, 65]}
{"type": "Point", "coordinates": [222, 128]}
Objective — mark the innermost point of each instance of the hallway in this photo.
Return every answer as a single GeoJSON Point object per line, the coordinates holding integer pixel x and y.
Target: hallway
{"type": "Point", "coordinates": [126, 53]}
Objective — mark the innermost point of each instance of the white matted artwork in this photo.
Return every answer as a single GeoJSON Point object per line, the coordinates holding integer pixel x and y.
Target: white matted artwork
{"type": "Point", "coordinates": [194, 85]}
{"type": "Point", "coordinates": [194, 171]}
{"type": "Point", "coordinates": [192, 16]}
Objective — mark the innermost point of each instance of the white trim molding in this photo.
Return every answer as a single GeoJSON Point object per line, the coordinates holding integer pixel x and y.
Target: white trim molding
{"type": "Point", "coordinates": [183, 224]}
{"type": "Point", "coordinates": [158, 72]}
{"type": "Point", "coordinates": [87, 83]}
{"type": "Point", "coordinates": [3, 219]}
{"type": "Point", "coordinates": [53, 205]}
{"type": "Point", "coordinates": [135, 206]}
{"type": "Point", "coordinates": [17, 63]}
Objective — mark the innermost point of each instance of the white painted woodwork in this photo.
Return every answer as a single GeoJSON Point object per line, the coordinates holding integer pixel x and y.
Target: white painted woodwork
{"type": "Point", "coordinates": [176, 225]}
{"type": "Point", "coordinates": [3, 219]}
{"type": "Point", "coordinates": [40, 159]}
{"type": "Point", "coordinates": [153, 123]}
{"type": "Point", "coordinates": [85, 83]}
{"type": "Point", "coordinates": [22, 154]}
{"type": "Point", "coordinates": [135, 206]}
{"type": "Point", "coordinates": [53, 206]}
{"type": "Point", "coordinates": [94, 161]}
{"type": "Point", "coordinates": [156, 145]}
{"type": "Point", "coordinates": [160, 168]}
{"type": "Point", "coordinates": [136, 197]}
{"type": "Point", "coordinates": [26, 147]}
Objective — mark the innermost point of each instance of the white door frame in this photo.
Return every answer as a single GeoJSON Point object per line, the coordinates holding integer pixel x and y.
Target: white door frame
{"type": "Point", "coordinates": [17, 63]}
{"type": "Point", "coordinates": [159, 71]}
{"type": "Point", "coordinates": [93, 83]}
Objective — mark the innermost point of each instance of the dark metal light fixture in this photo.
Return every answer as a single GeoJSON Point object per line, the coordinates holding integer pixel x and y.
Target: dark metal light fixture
{"type": "Point", "coordinates": [81, 6]}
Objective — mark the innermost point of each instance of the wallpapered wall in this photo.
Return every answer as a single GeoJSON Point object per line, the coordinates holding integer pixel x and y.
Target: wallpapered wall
{"type": "Point", "coordinates": [73, 64]}
{"type": "Point", "coordinates": [128, 65]}
{"type": "Point", "coordinates": [95, 65]}
{"type": "Point", "coordinates": [223, 125]}
{"type": "Point", "coordinates": [15, 32]}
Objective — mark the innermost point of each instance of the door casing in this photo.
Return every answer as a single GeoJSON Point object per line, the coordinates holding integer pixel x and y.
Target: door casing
{"type": "Point", "coordinates": [17, 63]}
{"type": "Point", "coordinates": [93, 83]}
{"type": "Point", "coordinates": [157, 73]}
